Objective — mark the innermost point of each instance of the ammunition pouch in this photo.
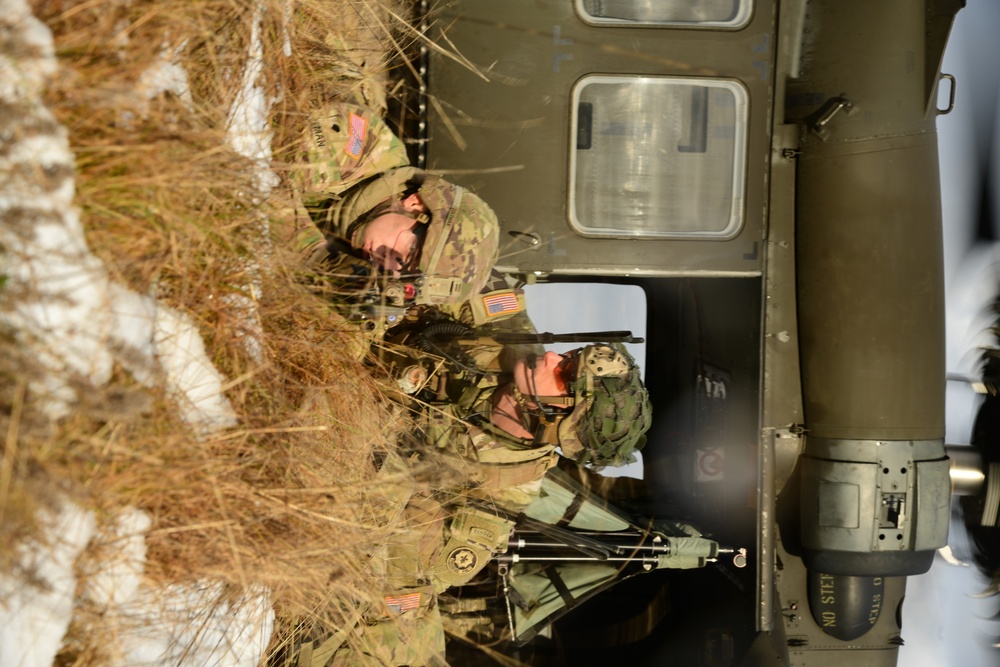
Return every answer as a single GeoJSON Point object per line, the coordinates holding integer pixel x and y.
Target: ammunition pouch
{"type": "Point", "coordinates": [502, 467]}
{"type": "Point", "coordinates": [475, 537]}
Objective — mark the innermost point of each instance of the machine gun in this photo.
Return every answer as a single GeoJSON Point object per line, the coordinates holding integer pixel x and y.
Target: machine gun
{"type": "Point", "coordinates": [415, 353]}
{"type": "Point", "coordinates": [537, 542]}
{"type": "Point", "coordinates": [571, 544]}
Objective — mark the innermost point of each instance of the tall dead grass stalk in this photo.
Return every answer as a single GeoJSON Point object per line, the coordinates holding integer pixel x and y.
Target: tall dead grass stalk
{"type": "Point", "coordinates": [280, 501]}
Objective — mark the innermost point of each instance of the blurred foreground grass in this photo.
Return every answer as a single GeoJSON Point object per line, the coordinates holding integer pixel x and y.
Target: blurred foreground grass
{"type": "Point", "coordinates": [174, 212]}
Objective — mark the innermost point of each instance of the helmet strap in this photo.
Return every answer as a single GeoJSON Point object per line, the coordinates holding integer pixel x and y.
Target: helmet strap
{"type": "Point", "coordinates": [547, 427]}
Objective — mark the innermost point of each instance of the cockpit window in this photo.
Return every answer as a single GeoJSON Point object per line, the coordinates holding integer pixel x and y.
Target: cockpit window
{"type": "Point", "coordinates": [681, 13]}
{"type": "Point", "coordinates": [657, 157]}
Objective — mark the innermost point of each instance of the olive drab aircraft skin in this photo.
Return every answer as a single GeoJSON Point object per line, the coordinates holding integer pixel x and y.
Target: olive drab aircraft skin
{"type": "Point", "coordinates": [767, 173]}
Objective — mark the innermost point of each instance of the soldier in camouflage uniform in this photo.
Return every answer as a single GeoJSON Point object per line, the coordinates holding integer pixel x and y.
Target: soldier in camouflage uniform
{"type": "Point", "coordinates": [499, 430]}
{"type": "Point", "coordinates": [495, 469]}
{"type": "Point", "coordinates": [366, 203]}
{"type": "Point", "coordinates": [505, 431]}
{"type": "Point", "coordinates": [510, 430]}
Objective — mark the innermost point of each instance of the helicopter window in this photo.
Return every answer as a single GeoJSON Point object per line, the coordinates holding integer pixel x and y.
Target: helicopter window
{"type": "Point", "coordinates": [657, 157]}
{"type": "Point", "coordinates": [686, 13]}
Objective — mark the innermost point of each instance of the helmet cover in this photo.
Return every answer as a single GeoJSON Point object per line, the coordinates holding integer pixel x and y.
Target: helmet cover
{"type": "Point", "coordinates": [461, 245]}
{"type": "Point", "coordinates": [612, 412]}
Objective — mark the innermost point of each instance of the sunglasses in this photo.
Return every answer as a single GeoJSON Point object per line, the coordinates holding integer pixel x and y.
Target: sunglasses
{"type": "Point", "coordinates": [565, 371]}
{"type": "Point", "coordinates": [411, 262]}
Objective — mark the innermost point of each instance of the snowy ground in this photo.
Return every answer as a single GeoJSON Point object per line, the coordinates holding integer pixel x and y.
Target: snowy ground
{"type": "Point", "coordinates": [81, 323]}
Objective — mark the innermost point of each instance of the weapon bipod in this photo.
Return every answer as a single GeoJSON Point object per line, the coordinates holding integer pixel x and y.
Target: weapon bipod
{"type": "Point", "coordinates": [534, 541]}
{"type": "Point", "coordinates": [547, 570]}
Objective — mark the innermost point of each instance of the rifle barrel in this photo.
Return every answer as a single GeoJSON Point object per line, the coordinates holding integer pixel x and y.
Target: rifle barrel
{"type": "Point", "coordinates": [582, 337]}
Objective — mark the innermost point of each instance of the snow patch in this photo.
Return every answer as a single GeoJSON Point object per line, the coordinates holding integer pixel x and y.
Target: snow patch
{"type": "Point", "coordinates": [79, 323]}
{"type": "Point", "coordinates": [166, 76]}
{"type": "Point", "coordinates": [69, 311]}
{"type": "Point", "coordinates": [36, 608]}
{"type": "Point", "coordinates": [192, 624]}
{"type": "Point", "coordinates": [248, 131]}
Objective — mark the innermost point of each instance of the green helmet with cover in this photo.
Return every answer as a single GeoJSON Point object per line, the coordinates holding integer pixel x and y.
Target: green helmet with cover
{"type": "Point", "coordinates": [612, 411]}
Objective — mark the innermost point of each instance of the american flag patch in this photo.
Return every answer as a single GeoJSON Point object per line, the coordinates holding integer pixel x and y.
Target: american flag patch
{"type": "Point", "coordinates": [356, 140]}
{"type": "Point", "coordinates": [498, 304]}
{"type": "Point", "coordinates": [397, 604]}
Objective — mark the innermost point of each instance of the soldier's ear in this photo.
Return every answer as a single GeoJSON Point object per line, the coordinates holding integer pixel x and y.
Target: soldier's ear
{"type": "Point", "coordinates": [414, 204]}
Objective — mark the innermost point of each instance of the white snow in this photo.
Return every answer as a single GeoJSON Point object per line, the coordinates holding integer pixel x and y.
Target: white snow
{"type": "Point", "coordinates": [176, 625]}
{"type": "Point", "coordinates": [167, 75]}
{"type": "Point", "coordinates": [36, 610]}
{"type": "Point", "coordinates": [249, 134]}
{"type": "Point", "coordinates": [79, 322]}
{"type": "Point", "coordinates": [189, 625]}
{"type": "Point", "coordinates": [161, 346]}
{"type": "Point", "coordinates": [73, 314]}
{"type": "Point", "coordinates": [248, 131]}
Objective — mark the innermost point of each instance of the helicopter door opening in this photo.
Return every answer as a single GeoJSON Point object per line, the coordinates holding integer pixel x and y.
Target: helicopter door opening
{"type": "Point", "coordinates": [581, 307]}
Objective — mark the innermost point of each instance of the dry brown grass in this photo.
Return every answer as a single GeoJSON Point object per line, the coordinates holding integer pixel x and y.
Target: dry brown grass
{"type": "Point", "coordinates": [169, 209]}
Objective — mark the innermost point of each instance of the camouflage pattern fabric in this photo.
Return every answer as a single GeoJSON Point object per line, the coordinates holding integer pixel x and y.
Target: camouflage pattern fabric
{"type": "Point", "coordinates": [612, 414]}
{"type": "Point", "coordinates": [345, 214]}
{"type": "Point", "coordinates": [451, 532]}
{"type": "Point", "coordinates": [606, 427]}
{"type": "Point", "coordinates": [500, 469]}
{"type": "Point", "coordinates": [500, 305]}
{"type": "Point", "coordinates": [343, 146]}
{"type": "Point", "coordinates": [462, 243]}
{"type": "Point", "coordinates": [403, 641]}
{"type": "Point", "coordinates": [404, 626]}
{"type": "Point", "coordinates": [462, 237]}
{"type": "Point", "coordinates": [353, 165]}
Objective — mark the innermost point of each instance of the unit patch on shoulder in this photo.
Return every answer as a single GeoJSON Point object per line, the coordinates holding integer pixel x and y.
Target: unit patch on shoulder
{"type": "Point", "coordinates": [356, 140]}
{"type": "Point", "coordinates": [462, 560]}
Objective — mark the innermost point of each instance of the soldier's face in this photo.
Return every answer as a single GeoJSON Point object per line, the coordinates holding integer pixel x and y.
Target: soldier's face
{"type": "Point", "coordinates": [547, 378]}
{"type": "Point", "coordinates": [390, 241]}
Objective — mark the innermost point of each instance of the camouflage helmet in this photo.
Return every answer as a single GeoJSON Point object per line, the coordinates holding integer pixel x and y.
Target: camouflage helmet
{"type": "Point", "coordinates": [612, 411]}
{"type": "Point", "coordinates": [461, 238]}
{"type": "Point", "coordinates": [461, 243]}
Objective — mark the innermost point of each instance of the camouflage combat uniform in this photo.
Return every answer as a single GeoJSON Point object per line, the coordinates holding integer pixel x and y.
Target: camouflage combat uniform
{"type": "Point", "coordinates": [354, 168]}
{"type": "Point", "coordinates": [504, 472]}
{"type": "Point", "coordinates": [457, 527]}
